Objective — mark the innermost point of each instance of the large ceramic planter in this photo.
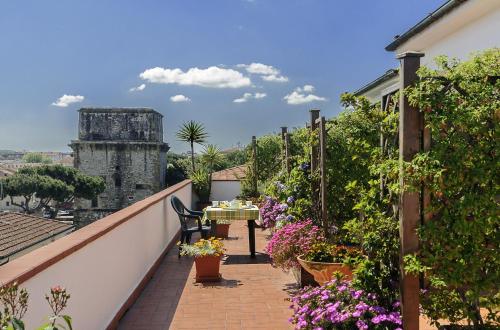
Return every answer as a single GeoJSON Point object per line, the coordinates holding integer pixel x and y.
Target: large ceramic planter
{"type": "Point", "coordinates": [303, 278]}
{"type": "Point", "coordinates": [222, 230]}
{"type": "Point", "coordinates": [207, 268]}
{"type": "Point", "coordinates": [323, 271]}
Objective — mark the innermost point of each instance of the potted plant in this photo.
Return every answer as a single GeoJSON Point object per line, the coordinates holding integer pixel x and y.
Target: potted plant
{"type": "Point", "coordinates": [222, 229]}
{"type": "Point", "coordinates": [201, 186]}
{"type": "Point", "coordinates": [290, 241]}
{"type": "Point", "coordinates": [340, 305]}
{"type": "Point", "coordinates": [207, 254]}
{"type": "Point", "coordinates": [323, 260]}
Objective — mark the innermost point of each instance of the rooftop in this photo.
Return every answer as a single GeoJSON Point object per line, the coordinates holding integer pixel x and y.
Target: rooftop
{"type": "Point", "coordinates": [117, 110]}
{"type": "Point", "coordinates": [236, 173]}
{"type": "Point", "coordinates": [21, 231]}
{"type": "Point", "coordinates": [437, 14]}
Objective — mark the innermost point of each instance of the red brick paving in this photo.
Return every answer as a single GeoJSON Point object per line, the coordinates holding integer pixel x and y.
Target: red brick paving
{"type": "Point", "coordinates": [252, 294]}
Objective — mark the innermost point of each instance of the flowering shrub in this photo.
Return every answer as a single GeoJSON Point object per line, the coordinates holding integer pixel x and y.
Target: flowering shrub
{"type": "Point", "coordinates": [337, 305]}
{"type": "Point", "coordinates": [290, 241]}
{"type": "Point", "coordinates": [271, 211]}
{"type": "Point", "coordinates": [15, 304]}
{"type": "Point", "coordinates": [204, 247]}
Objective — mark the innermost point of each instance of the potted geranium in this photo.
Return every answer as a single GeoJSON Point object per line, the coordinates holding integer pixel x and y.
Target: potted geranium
{"type": "Point", "coordinates": [207, 254]}
{"type": "Point", "coordinates": [323, 260]}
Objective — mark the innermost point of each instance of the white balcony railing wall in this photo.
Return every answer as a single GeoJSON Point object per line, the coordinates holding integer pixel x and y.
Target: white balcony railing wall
{"type": "Point", "coordinates": [103, 265]}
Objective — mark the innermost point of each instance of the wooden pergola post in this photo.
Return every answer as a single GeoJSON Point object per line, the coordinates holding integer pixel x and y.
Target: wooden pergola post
{"type": "Point", "coordinates": [322, 166]}
{"type": "Point", "coordinates": [410, 143]}
{"type": "Point", "coordinates": [314, 163]}
{"type": "Point", "coordinates": [254, 164]}
{"type": "Point", "coordinates": [285, 140]}
{"type": "Point", "coordinates": [314, 150]}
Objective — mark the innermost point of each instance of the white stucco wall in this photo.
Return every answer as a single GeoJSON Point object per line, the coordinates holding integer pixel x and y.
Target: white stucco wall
{"type": "Point", "coordinates": [468, 29]}
{"type": "Point", "coordinates": [472, 27]}
{"type": "Point", "coordinates": [225, 190]}
{"type": "Point", "coordinates": [102, 275]}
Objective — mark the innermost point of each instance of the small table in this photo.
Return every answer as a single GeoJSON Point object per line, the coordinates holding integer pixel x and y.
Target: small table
{"type": "Point", "coordinates": [244, 213]}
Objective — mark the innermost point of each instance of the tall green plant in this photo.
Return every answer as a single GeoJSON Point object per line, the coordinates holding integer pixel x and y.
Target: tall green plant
{"type": "Point", "coordinates": [460, 252]}
{"type": "Point", "coordinates": [192, 132]}
{"type": "Point", "coordinates": [211, 158]}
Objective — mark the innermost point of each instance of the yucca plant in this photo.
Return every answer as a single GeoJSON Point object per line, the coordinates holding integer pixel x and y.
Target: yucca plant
{"type": "Point", "coordinates": [192, 132]}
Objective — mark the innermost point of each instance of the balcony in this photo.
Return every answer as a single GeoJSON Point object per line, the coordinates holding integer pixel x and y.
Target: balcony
{"type": "Point", "coordinates": [123, 272]}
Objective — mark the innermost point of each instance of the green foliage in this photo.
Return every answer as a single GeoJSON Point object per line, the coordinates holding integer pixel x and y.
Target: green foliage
{"type": "Point", "coordinates": [177, 170]}
{"type": "Point", "coordinates": [192, 132]}
{"type": "Point", "coordinates": [367, 188]}
{"type": "Point", "coordinates": [51, 183]}
{"type": "Point", "coordinates": [294, 190]}
{"type": "Point", "coordinates": [34, 157]}
{"type": "Point", "coordinates": [327, 252]}
{"type": "Point", "coordinates": [235, 158]}
{"type": "Point", "coordinates": [460, 252]}
{"type": "Point", "coordinates": [201, 184]}
{"type": "Point", "coordinates": [211, 158]}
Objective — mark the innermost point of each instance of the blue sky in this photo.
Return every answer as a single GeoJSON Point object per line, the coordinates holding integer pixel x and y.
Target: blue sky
{"type": "Point", "coordinates": [310, 50]}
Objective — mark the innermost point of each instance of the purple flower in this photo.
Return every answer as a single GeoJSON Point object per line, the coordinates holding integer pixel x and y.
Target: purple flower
{"type": "Point", "coordinates": [304, 166]}
{"type": "Point", "coordinates": [361, 325]}
{"type": "Point", "coordinates": [290, 200]}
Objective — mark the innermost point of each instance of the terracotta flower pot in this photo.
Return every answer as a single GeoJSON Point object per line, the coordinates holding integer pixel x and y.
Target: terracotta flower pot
{"type": "Point", "coordinates": [207, 268]}
{"type": "Point", "coordinates": [323, 271]}
{"type": "Point", "coordinates": [222, 230]}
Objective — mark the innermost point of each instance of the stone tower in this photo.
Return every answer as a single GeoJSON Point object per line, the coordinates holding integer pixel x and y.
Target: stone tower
{"type": "Point", "coordinates": [125, 147]}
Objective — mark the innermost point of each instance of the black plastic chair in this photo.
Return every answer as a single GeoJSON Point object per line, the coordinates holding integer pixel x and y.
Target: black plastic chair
{"type": "Point", "coordinates": [185, 215]}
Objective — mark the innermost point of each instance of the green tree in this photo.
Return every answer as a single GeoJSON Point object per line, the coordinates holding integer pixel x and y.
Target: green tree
{"type": "Point", "coordinates": [50, 183]}
{"type": "Point", "coordinates": [192, 132]}
{"type": "Point", "coordinates": [35, 157]}
{"type": "Point", "coordinates": [176, 170]}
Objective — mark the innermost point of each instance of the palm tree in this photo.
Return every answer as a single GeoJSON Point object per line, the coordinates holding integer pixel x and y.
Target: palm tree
{"type": "Point", "coordinates": [192, 132]}
{"type": "Point", "coordinates": [211, 157]}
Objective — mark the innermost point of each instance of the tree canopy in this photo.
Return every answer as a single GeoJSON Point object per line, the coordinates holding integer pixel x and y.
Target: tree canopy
{"type": "Point", "coordinates": [50, 183]}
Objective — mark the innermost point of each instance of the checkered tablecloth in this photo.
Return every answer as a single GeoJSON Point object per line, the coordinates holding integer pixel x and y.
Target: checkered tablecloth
{"type": "Point", "coordinates": [217, 213]}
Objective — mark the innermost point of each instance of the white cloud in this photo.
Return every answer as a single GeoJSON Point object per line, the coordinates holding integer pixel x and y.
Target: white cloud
{"type": "Point", "coordinates": [249, 96]}
{"type": "Point", "coordinates": [308, 88]}
{"type": "Point", "coordinates": [302, 95]}
{"type": "Point", "coordinates": [275, 78]}
{"type": "Point", "coordinates": [213, 77]}
{"type": "Point", "coordinates": [138, 88]}
{"type": "Point", "coordinates": [179, 98]}
{"type": "Point", "coordinates": [259, 68]}
{"type": "Point", "coordinates": [267, 72]}
{"type": "Point", "coordinates": [66, 100]}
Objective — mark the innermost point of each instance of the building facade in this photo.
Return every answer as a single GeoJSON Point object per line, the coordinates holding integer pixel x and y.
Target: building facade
{"type": "Point", "coordinates": [125, 147]}
{"type": "Point", "coordinates": [457, 29]}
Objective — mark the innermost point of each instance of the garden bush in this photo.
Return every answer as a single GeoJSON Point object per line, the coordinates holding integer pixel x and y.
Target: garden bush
{"type": "Point", "coordinates": [460, 240]}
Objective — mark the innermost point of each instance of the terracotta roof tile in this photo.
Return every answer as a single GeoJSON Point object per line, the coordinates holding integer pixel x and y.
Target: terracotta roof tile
{"type": "Point", "coordinates": [236, 173]}
{"type": "Point", "coordinates": [19, 231]}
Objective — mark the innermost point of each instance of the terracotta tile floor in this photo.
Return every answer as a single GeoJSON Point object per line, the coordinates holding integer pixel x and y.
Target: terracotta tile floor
{"type": "Point", "coordinates": [252, 294]}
